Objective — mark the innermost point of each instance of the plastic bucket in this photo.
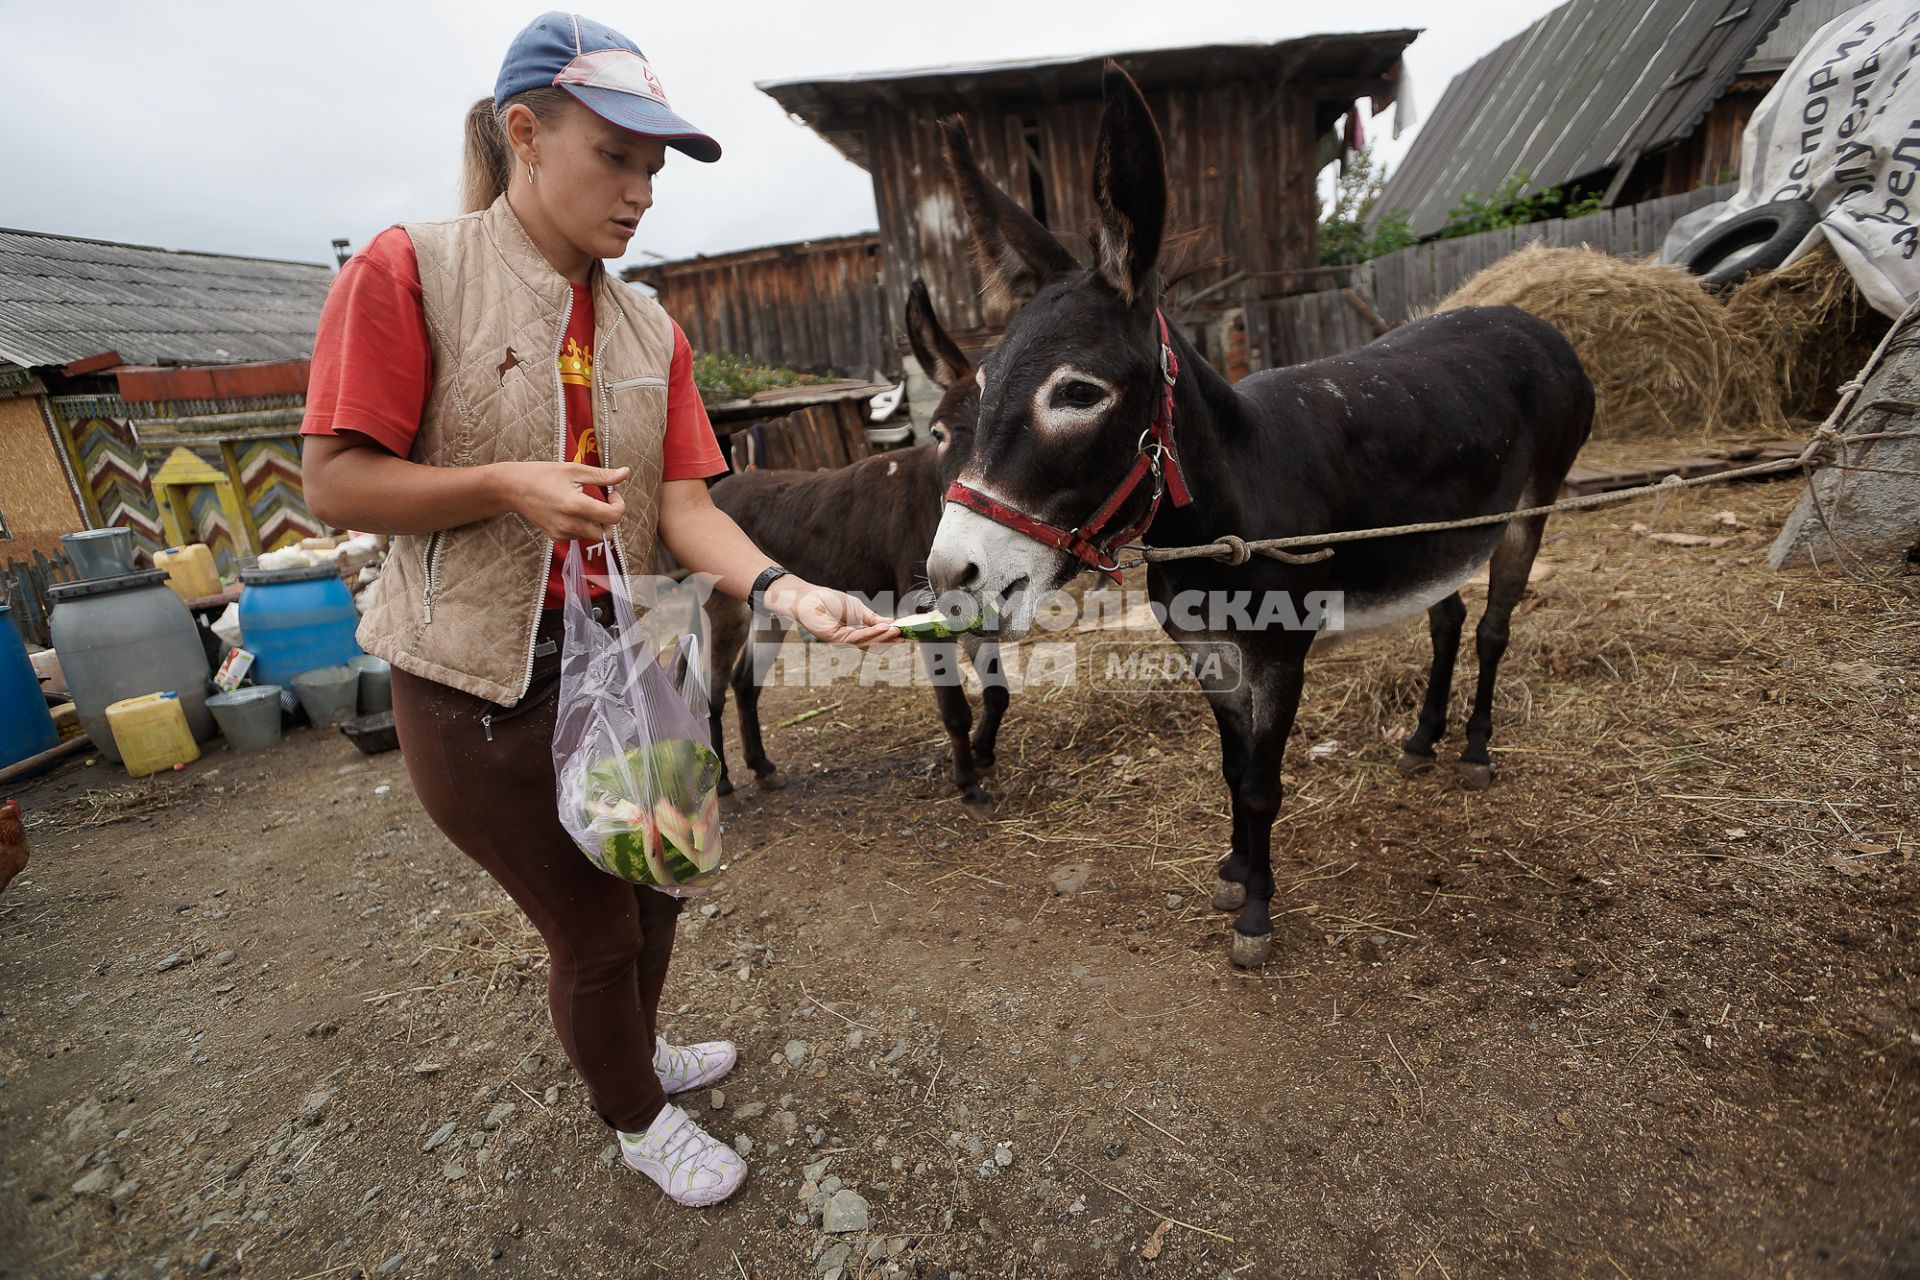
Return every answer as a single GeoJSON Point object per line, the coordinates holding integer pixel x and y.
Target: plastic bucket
{"type": "Point", "coordinates": [294, 620]}
{"type": "Point", "coordinates": [100, 553]}
{"type": "Point", "coordinates": [376, 683]}
{"type": "Point", "coordinates": [373, 734]}
{"type": "Point", "coordinates": [249, 718]}
{"type": "Point", "coordinates": [328, 693]}
{"type": "Point", "coordinates": [26, 729]}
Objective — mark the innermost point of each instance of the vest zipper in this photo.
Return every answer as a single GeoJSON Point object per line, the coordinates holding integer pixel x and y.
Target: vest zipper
{"type": "Point", "coordinates": [560, 455]}
{"type": "Point", "coordinates": [525, 704]}
{"type": "Point", "coordinates": [606, 443]}
{"type": "Point", "coordinates": [604, 392]}
{"type": "Point", "coordinates": [430, 565]}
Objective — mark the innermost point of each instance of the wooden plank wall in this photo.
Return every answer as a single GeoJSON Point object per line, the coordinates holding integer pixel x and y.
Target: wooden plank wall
{"type": "Point", "coordinates": [810, 307]}
{"type": "Point", "coordinates": [818, 437]}
{"type": "Point", "coordinates": [1240, 161]}
{"type": "Point", "coordinates": [1308, 326]}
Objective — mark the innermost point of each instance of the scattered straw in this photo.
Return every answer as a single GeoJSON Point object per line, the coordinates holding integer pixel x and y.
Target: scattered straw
{"type": "Point", "coordinates": [101, 807]}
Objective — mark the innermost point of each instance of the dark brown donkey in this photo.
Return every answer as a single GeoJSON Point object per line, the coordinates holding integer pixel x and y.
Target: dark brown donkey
{"type": "Point", "coordinates": [863, 528]}
{"type": "Point", "coordinates": [1091, 413]}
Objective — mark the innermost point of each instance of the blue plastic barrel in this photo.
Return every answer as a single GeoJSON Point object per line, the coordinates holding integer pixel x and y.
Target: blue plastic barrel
{"type": "Point", "coordinates": [293, 620]}
{"type": "Point", "coordinates": [26, 728]}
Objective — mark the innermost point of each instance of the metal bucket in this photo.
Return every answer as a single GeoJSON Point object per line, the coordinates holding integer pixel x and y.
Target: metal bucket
{"type": "Point", "coordinates": [249, 718]}
{"type": "Point", "coordinates": [100, 553]}
{"type": "Point", "coordinates": [328, 693]}
{"type": "Point", "coordinates": [376, 683]}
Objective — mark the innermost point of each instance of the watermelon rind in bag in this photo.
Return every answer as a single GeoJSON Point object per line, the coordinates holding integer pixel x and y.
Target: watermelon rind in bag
{"type": "Point", "coordinates": [636, 780]}
{"type": "Point", "coordinates": [674, 842]}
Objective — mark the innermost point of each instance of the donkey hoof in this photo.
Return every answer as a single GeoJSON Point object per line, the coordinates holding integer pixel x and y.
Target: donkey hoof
{"type": "Point", "coordinates": [1474, 777]}
{"type": "Point", "coordinates": [983, 762]}
{"type": "Point", "coordinates": [974, 797]}
{"type": "Point", "coordinates": [1251, 952]}
{"type": "Point", "coordinates": [1229, 895]}
{"type": "Point", "coordinates": [769, 781]}
{"type": "Point", "coordinates": [1412, 765]}
{"type": "Point", "coordinates": [725, 788]}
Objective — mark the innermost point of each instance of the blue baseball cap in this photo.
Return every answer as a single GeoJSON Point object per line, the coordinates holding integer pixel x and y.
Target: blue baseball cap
{"type": "Point", "coordinates": [605, 71]}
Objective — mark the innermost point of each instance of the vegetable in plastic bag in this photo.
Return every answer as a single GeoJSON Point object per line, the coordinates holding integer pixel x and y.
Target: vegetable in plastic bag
{"type": "Point", "coordinates": [636, 775]}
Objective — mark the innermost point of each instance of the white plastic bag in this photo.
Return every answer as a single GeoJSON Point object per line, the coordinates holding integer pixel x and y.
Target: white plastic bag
{"type": "Point", "coordinates": [635, 771]}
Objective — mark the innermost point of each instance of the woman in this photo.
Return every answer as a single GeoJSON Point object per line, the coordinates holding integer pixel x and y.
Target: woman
{"type": "Point", "coordinates": [483, 388]}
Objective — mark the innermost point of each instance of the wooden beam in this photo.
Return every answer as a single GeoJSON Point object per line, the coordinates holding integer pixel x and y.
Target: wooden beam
{"type": "Point", "coordinates": [92, 364]}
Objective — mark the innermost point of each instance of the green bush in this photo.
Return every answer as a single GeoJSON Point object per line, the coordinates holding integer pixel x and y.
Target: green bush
{"type": "Point", "coordinates": [722, 377]}
{"type": "Point", "coordinates": [1345, 237]}
{"type": "Point", "coordinates": [1506, 207]}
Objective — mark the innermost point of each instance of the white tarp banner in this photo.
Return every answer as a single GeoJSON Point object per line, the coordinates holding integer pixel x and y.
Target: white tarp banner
{"type": "Point", "coordinates": [1842, 129]}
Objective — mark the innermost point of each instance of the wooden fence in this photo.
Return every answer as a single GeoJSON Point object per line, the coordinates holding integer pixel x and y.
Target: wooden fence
{"type": "Point", "coordinates": [1411, 280]}
{"type": "Point", "coordinates": [818, 437]}
{"type": "Point", "coordinates": [23, 586]}
{"type": "Point", "coordinates": [1404, 284]}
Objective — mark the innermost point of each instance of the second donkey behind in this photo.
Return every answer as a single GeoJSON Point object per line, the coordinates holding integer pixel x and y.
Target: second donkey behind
{"type": "Point", "coordinates": [864, 528]}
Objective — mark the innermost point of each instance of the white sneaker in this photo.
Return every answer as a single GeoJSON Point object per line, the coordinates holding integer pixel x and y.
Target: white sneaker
{"type": "Point", "coordinates": [692, 1066]}
{"type": "Point", "coordinates": [687, 1162]}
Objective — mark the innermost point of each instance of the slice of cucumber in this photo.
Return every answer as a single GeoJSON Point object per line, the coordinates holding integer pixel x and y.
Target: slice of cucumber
{"type": "Point", "coordinates": [935, 625]}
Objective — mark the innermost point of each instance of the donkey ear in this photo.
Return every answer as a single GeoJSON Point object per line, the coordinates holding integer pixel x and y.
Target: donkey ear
{"type": "Point", "coordinates": [936, 351]}
{"type": "Point", "coordinates": [1129, 186]}
{"type": "Point", "coordinates": [1014, 254]}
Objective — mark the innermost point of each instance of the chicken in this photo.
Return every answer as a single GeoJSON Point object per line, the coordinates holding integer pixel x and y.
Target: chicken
{"type": "Point", "coordinates": [13, 843]}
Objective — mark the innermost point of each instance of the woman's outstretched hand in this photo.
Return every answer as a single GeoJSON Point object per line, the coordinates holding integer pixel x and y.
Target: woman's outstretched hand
{"type": "Point", "coordinates": [564, 500]}
{"type": "Point", "coordinates": [833, 616]}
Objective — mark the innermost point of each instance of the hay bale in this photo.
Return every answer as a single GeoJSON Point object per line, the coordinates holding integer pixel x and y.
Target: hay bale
{"type": "Point", "coordinates": [1665, 358]}
{"type": "Point", "coordinates": [1816, 326]}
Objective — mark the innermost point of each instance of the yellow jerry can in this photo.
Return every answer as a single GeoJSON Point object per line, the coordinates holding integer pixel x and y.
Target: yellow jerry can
{"type": "Point", "coordinates": [151, 732]}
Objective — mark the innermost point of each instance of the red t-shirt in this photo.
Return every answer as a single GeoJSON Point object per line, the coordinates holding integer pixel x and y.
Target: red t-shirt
{"type": "Point", "coordinates": [373, 369]}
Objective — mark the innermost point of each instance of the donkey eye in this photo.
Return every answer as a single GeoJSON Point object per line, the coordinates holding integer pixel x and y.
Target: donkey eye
{"type": "Point", "coordinates": [940, 434]}
{"type": "Point", "coordinates": [1081, 395]}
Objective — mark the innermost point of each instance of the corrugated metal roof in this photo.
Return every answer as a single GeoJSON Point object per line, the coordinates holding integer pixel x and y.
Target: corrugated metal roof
{"type": "Point", "coordinates": [1589, 85]}
{"type": "Point", "coordinates": [64, 299]}
{"type": "Point", "coordinates": [831, 104]}
{"type": "Point", "coordinates": [1793, 31]}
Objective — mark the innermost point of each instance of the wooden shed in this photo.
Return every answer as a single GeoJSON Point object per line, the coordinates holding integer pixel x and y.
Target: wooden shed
{"type": "Point", "coordinates": [813, 305]}
{"type": "Point", "coordinates": [1247, 129]}
{"type": "Point", "coordinates": [152, 389]}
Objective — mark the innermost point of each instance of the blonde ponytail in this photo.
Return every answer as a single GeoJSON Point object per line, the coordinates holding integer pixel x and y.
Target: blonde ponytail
{"type": "Point", "coordinates": [489, 160]}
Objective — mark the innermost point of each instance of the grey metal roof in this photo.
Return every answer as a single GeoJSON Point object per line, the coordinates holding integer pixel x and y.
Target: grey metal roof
{"type": "Point", "coordinates": [64, 299]}
{"type": "Point", "coordinates": [1793, 31]}
{"type": "Point", "coordinates": [1364, 63]}
{"type": "Point", "coordinates": [1591, 85]}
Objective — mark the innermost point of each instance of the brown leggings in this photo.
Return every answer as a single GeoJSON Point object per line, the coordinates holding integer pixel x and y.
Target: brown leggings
{"type": "Point", "coordinates": [608, 941]}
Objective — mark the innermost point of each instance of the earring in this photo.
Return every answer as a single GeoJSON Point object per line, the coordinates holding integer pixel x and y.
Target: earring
{"type": "Point", "coordinates": [530, 173]}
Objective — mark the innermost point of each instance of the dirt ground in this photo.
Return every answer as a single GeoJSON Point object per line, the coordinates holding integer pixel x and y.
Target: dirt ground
{"type": "Point", "coordinates": [1647, 1007]}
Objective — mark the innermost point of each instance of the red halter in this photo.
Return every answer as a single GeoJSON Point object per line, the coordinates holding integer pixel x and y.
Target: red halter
{"type": "Point", "coordinates": [1156, 459]}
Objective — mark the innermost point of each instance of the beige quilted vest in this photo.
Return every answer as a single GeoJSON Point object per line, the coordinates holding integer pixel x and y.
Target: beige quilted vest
{"type": "Point", "coordinates": [460, 606]}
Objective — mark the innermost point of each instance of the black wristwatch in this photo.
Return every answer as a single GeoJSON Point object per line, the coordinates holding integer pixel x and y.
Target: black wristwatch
{"type": "Point", "coordinates": [756, 598]}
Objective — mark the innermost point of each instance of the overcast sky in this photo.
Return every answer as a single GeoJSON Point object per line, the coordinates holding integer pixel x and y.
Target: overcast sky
{"type": "Point", "coordinates": [271, 128]}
